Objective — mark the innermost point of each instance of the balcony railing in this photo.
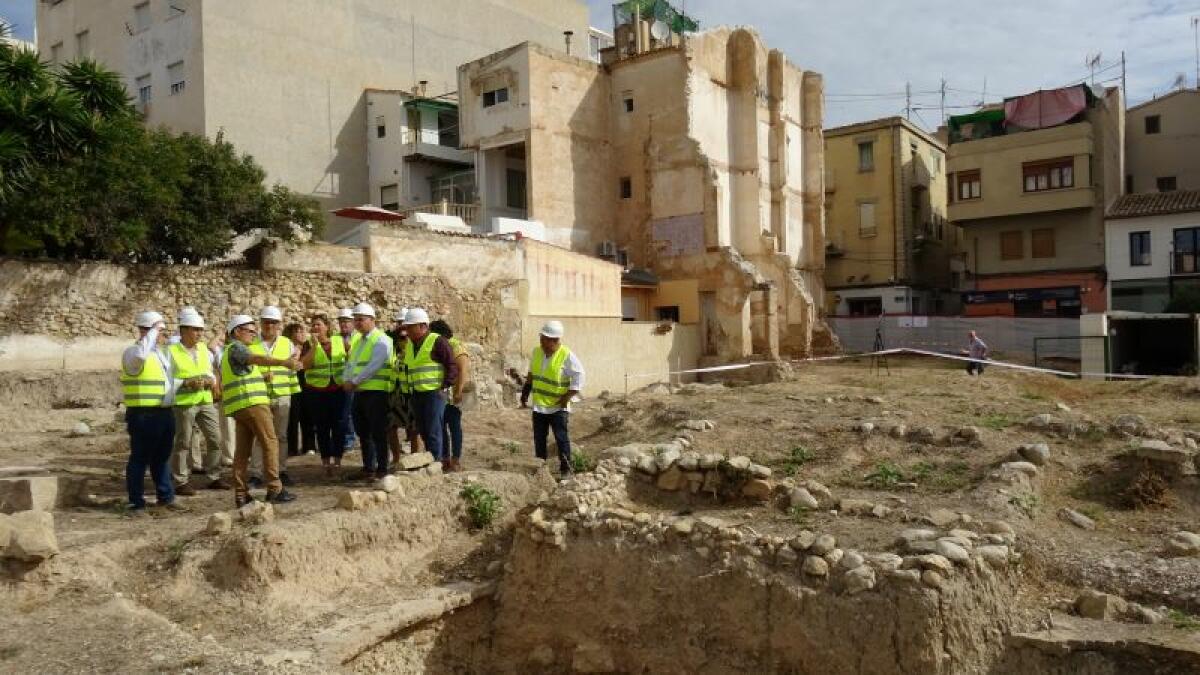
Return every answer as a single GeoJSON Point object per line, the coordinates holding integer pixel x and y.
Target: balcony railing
{"type": "Point", "coordinates": [469, 213]}
{"type": "Point", "coordinates": [1185, 263]}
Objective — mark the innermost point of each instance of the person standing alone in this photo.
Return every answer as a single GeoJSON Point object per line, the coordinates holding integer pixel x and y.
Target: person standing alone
{"type": "Point", "coordinates": [194, 407]}
{"type": "Point", "coordinates": [148, 391]}
{"type": "Point", "coordinates": [431, 370]}
{"type": "Point", "coordinates": [977, 351]}
{"type": "Point", "coordinates": [555, 379]}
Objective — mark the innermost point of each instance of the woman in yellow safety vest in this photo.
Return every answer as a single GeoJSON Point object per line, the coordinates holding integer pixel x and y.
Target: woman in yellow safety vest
{"type": "Point", "coordinates": [323, 361]}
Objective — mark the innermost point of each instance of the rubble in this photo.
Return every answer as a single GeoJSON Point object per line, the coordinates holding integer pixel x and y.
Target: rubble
{"type": "Point", "coordinates": [28, 536]}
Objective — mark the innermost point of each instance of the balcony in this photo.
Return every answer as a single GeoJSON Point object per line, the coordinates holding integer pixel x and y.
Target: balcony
{"type": "Point", "coordinates": [420, 145]}
{"type": "Point", "coordinates": [469, 213]}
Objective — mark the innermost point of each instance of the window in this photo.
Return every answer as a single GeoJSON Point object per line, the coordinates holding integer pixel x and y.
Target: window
{"type": "Point", "coordinates": [380, 127]}
{"type": "Point", "coordinates": [141, 17]}
{"type": "Point", "coordinates": [1139, 249]}
{"type": "Point", "coordinates": [1012, 245]}
{"type": "Point", "coordinates": [866, 219]}
{"type": "Point", "coordinates": [83, 45]}
{"type": "Point", "coordinates": [970, 185]}
{"type": "Point", "coordinates": [937, 161]}
{"type": "Point", "coordinates": [1052, 174]}
{"type": "Point", "coordinates": [495, 97]}
{"type": "Point", "coordinates": [414, 125]}
{"type": "Point", "coordinates": [1043, 243]}
{"type": "Point", "coordinates": [1187, 248]}
{"type": "Point", "coordinates": [1128, 183]}
{"type": "Point", "coordinates": [628, 104]}
{"type": "Point", "coordinates": [866, 156]}
{"type": "Point", "coordinates": [950, 188]}
{"type": "Point", "coordinates": [865, 306]}
{"type": "Point", "coordinates": [389, 196]}
{"type": "Point", "coordinates": [514, 182]}
{"type": "Point", "coordinates": [1153, 124]}
{"type": "Point", "coordinates": [56, 50]}
{"type": "Point", "coordinates": [447, 122]}
{"type": "Point", "coordinates": [1165, 183]}
{"type": "Point", "coordinates": [143, 90]}
{"type": "Point", "coordinates": [626, 187]}
{"type": "Point", "coordinates": [594, 47]}
{"type": "Point", "coordinates": [176, 78]}
{"type": "Point", "coordinates": [667, 313]}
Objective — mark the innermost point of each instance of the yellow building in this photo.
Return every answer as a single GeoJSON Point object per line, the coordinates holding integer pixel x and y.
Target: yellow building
{"type": "Point", "coordinates": [1162, 143]}
{"type": "Point", "coordinates": [888, 242]}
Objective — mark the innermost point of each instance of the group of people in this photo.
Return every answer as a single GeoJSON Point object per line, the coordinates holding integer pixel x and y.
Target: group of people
{"type": "Point", "coordinates": [261, 385]}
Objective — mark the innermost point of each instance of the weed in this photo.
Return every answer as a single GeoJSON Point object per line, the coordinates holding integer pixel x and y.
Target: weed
{"type": "Point", "coordinates": [581, 462]}
{"type": "Point", "coordinates": [1092, 511]}
{"type": "Point", "coordinates": [1091, 434]}
{"type": "Point", "coordinates": [1027, 502]}
{"type": "Point", "coordinates": [885, 476]}
{"type": "Point", "coordinates": [797, 457]}
{"type": "Point", "coordinates": [996, 421]}
{"type": "Point", "coordinates": [512, 447]}
{"type": "Point", "coordinates": [175, 551]}
{"type": "Point", "coordinates": [483, 505]}
{"type": "Point", "coordinates": [1148, 490]}
{"type": "Point", "coordinates": [799, 515]}
{"type": "Point", "coordinates": [1183, 620]}
{"type": "Point", "coordinates": [1032, 396]}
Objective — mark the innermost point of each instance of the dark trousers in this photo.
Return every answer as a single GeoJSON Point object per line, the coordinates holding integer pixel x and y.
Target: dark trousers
{"type": "Point", "coordinates": [429, 412]}
{"type": "Point", "coordinates": [151, 437]}
{"type": "Point", "coordinates": [325, 412]}
{"type": "Point", "coordinates": [346, 422]}
{"type": "Point", "coordinates": [452, 436]}
{"type": "Point", "coordinates": [371, 423]}
{"type": "Point", "coordinates": [556, 422]}
{"type": "Point", "coordinates": [301, 433]}
{"type": "Point", "coordinates": [974, 367]}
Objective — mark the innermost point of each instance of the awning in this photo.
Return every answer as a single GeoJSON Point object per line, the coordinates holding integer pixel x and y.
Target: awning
{"type": "Point", "coordinates": [1043, 109]}
{"type": "Point", "coordinates": [639, 278]}
{"type": "Point", "coordinates": [430, 104]}
{"type": "Point", "coordinates": [367, 212]}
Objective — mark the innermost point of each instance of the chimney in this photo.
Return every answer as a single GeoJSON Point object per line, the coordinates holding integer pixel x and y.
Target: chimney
{"type": "Point", "coordinates": [567, 37]}
{"type": "Point", "coordinates": [424, 83]}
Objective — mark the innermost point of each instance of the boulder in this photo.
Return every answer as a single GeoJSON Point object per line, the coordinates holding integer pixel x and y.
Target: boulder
{"type": "Point", "coordinates": [32, 537]}
{"type": "Point", "coordinates": [941, 517]}
{"type": "Point", "coordinates": [865, 428]}
{"type": "Point", "coordinates": [760, 471]}
{"type": "Point", "coordinates": [822, 493]}
{"type": "Point", "coordinates": [219, 523]}
{"type": "Point", "coordinates": [1035, 453]}
{"type": "Point", "coordinates": [29, 493]}
{"type": "Point", "coordinates": [815, 566]}
{"type": "Point", "coordinates": [855, 507]}
{"type": "Point", "coordinates": [757, 489]}
{"type": "Point", "coordinates": [390, 484]}
{"type": "Point", "coordinates": [710, 461]}
{"type": "Point", "coordinates": [802, 541]}
{"type": "Point", "coordinates": [1183, 544]}
{"type": "Point", "coordinates": [355, 500]}
{"type": "Point", "coordinates": [646, 464]}
{"type": "Point", "coordinates": [696, 425]}
{"type": "Point", "coordinates": [933, 579]}
{"type": "Point", "coordinates": [823, 544]}
{"type": "Point", "coordinates": [1077, 519]}
{"type": "Point", "coordinates": [739, 463]}
{"type": "Point", "coordinates": [415, 461]}
{"type": "Point", "coordinates": [908, 537]}
{"type": "Point", "coordinates": [1180, 461]}
{"type": "Point", "coordinates": [667, 457]}
{"type": "Point", "coordinates": [852, 560]}
{"type": "Point", "coordinates": [1134, 425]}
{"type": "Point", "coordinates": [1043, 421]}
{"type": "Point", "coordinates": [256, 513]}
{"type": "Point", "coordinates": [801, 498]}
{"type": "Point", "coordinates": [1101, 606]}
{"type": "Point", "coordinates": [953, 552]}
{"type": "Point", "coordinates": [671, 480]}
{"type": "Point", "coordinates": [967, 435]}
{"type": "Point", "coordinates": [689, 461]}
{"type": "Point", "coordinates": [996, 556]}
{"type": "Point", "coordinates": [859, 579]}
{"type": "Point", "coordinates": [1027, 468]}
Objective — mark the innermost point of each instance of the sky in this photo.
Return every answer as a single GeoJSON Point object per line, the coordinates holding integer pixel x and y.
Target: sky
{"type": "Point", "coordinates": [868, 50]}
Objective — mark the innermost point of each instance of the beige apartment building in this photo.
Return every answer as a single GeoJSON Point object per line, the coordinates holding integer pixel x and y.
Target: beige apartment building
{"type": "Point", "coordinates": [693, 160]}
{"type": "Point", "coordinates": [1162, 144]}
{"type": "Point", "coordinates": [1029, 183]}
{"type": "Point", "coordinates": [285, 79]}
{"type": "Point", "coordinates": [889, 245]}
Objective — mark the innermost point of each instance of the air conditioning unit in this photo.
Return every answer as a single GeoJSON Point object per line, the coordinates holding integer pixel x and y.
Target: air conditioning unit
{"type": "Point", "coordinates": [608, 249]}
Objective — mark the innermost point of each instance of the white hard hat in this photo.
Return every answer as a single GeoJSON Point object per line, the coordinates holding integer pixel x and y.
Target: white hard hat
{"type": "Point", "coordinates": [345, 313]}
{"type": "Point", "coordinates": [238, 320]}
{"type": "Point", "coordinates": [401, 314]}
{"type": "Point", "coordinates": [147, 319]}
{"type": "Point", "coordinates": [188, 316]}
{"type": "Point", "coordinates": [271, 313]}
{"type": "Point", "coordinates": [552, 329]}
{"type": "Point", "coordinates": [415, 316]}
{"type": "Point", "coordinates": [363, 309]}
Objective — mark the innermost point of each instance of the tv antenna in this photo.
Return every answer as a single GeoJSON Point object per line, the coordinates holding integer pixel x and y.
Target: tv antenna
{"type": "Point", "coordinates": [1093, 64]}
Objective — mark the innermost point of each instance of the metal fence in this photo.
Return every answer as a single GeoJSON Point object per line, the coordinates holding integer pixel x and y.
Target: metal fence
{"type": "Point", "coordinates": [1007, 337]}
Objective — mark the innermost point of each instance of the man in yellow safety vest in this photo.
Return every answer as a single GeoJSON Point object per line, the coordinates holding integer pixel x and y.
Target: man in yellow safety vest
{"type": "Point", "coordinates": [245, 396]}
{"type": "Point", "coordinates": [431, 371]}
{"type": "Point", "coordinates": [555, 379]}
{"type": "Point", "coordinates": [349, 338]}
{"type": "Point", "coordinates": [194, 409]}
{"type": "Point", "coordinates": [148, 391]}
{"type": "Point", "coordinates": [368, 377]}
{"type": "Point", "coordinates": [281, 382]}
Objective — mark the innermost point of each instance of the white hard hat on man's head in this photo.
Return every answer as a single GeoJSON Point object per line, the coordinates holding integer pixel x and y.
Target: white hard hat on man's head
{"type": "Point", "coordinates": [363, 309]}
{"type": "Point", "coordinates": [189, 317]}
{"type": "Point", "coordinates": [415, 316]}
{"type": "Point", "coordinates": [271, 313]}
{"type": "Point", "coordinates": [147, 319]}
{"type": "Point", "coordinates": [238, 320]}
{"type": "Point", "coordinates": [400, 315]}
{"type": "Point", "coordinates": [345, 313]}
{"type": "Point", "coordinates": [552, 329]}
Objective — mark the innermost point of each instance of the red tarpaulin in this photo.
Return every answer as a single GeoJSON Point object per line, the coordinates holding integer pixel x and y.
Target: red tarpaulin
{"type": "Point", "coordinates": [1043, 109]}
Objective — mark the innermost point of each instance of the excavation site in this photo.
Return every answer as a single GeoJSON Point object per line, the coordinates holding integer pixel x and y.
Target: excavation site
{"type": "Point", "coordinates": [835, 521]}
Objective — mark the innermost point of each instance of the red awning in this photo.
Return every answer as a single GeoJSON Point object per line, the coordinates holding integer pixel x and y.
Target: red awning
{"type": "Point", "coordinates": [367, 212]}
{"type": "Point", "coordinates": [1043, 109]}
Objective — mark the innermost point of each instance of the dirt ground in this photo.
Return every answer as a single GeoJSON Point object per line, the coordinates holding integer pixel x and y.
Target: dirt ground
{"type": "Point", "coordinates": [138, 595]}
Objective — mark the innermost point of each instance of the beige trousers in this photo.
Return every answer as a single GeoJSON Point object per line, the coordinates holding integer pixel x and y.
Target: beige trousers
{"type": "Point", "coordinates": [205, 418]}
{"type": "Point", "coordinates": [280, 408]}
{"type": "Point", "coordinates": [255, 427]}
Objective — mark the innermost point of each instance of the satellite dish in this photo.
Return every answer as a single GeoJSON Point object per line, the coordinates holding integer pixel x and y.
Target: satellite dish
{"type": "Point", "coordinates": [659, 30]}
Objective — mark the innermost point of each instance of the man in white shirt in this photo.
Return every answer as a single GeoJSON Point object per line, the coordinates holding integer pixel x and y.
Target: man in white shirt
{"type": "Point", "coordinates": [555, 379]}
{"type": "Point", "coordinates": [148, 392]}
{"type": "Point", "coordinates": [978, 351]}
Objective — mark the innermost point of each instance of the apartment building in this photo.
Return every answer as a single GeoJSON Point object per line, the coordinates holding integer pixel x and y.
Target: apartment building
{"type": "Point", "coordinates": [285, 79]}
{"type": "Point", "coordinates": [1162, 144]}
{"type": "Point", "coordinates": [889, 244]}
{"type": "Point", "coordinates": [1153, 249]}
{"type": "Point", "coordinates": [693, 159]}
{"type": "Point", "coordinates": [1028, 183]}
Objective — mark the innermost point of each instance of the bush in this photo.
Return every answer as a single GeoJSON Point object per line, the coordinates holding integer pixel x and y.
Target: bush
{"type": "Point", "coordinates": [581, 462]}
{"type": "Point", "coordinates": [798, 457]}
{"type": "Point", "coordinates": [483, 505]}
{"type": "Point", "coordinates": [885, 476]}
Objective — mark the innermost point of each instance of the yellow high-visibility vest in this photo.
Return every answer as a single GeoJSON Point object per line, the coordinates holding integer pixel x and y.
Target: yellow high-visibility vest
{"type": "Point", "coordinates": [361, 355]}
{"type": "Point", "coordinates": [326, 367]}
{"type": "Point", "coordinates": [146, 389]}
{"type": "Point", "coordinates": [421, 371]}
{"type": "Point", "coordinates": [549, 382]}
{"type": "Point", "coordinates": [186, 368]}
{"type": "Point", "coordinates": [241, 391]}
{"type": "Point", "coordinates": [283, 381]}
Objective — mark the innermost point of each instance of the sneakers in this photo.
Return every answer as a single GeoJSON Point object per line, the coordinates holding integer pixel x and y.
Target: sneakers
{"type": "Point", "coordinates": [172, 506]}
{"type": "Point", "coordinates": [455, 466]}
{"type": "Point", "coordinates": [185, 490]}
{"type": "Point", "coordinates": [286, 479]}
{"type": "Point", "coordinates": [138, 512]}
{"type": "Point", "coordinates": [255, 482]}
{"type": "Point", "coordinates": [218, 484]}
{"type": "Point", "coordinates": [281, 497]}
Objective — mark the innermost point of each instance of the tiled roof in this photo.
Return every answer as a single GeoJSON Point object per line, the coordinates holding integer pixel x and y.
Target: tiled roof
{"type": "Point", "coordinates": [1155, 204]}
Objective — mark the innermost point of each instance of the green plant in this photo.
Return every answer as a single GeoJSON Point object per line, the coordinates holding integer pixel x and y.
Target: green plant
{"type": "Point", "coordinates": [581, 462]}
{"type": "Point", "coordinates": [797, 457]}
{"type": "Point", "coordinates": [512, 447]}
{"type": "Point", "coordinates": [1183, 620]}
{"type": "Point", "coordinates": [996, 421]}
{"type": "Point", "coordinates": [885, 476]}
{"type": "Point", "coordinates": [175, 551]}
{"type": "Point", "coordinates": [799, 515]}
{"type": "Point", "coordinates": [1027, 502]}
{"type": "Point", "coordinates": [483, 505]}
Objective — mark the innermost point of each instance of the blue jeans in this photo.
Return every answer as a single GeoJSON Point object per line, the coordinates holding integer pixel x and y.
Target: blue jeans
{"type": "Point", "coordinates": [429, 409]}
{"type": "Point", "coordinates": [151, 437]}
{"type": "Point", "coordinates": [346, 426]}
{"type": "Point", "coordinates": [558, 422]}
{"type": "Point", "coordinates": [452, 438]}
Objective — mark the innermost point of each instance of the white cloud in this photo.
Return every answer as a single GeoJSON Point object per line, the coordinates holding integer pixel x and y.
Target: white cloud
{"type": "Point", "coordinates": [874, 47]}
